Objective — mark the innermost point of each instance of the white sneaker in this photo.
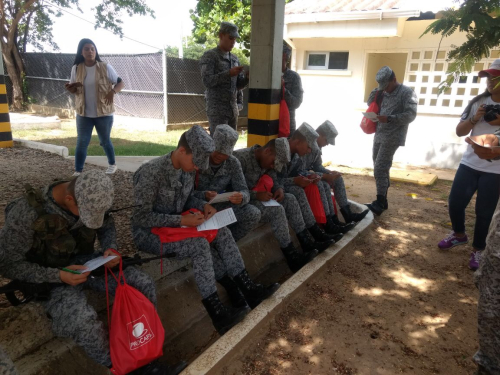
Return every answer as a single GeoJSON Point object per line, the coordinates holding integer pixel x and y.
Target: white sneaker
{"type": "Point", "coordinates": [76, 174]}
{"type": "Point", "coordinates": [111, 169]}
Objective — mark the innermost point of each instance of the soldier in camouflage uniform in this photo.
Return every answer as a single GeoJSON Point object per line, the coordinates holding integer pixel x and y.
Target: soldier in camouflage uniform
{"type": "Point", "coordinates": [163, 189]}
{"type": "Point", "coordinates": [330, 179]}
{"type": "Point", "coordinates": [223, 76]}
{"type": "Point", "coordinates": [487, 278]}
{"type": "Point", "coordinates": [54, 228]}
{"type": "Point", "coordinates": [224, 174]}
{"type": "Point", "coordinates": [398, 109]}
{"type": "Point", "coordinates": [6, 365]}
{"type": "Point", "coordinates": [293, 87]}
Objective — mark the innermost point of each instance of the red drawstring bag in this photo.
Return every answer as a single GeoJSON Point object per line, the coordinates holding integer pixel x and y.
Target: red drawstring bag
{"type": "Point", "coordinates": [284, 125]}
{"type": "Point", "coordinates": [367, 125]}
{"type": "Point", "coordinates": [314, 199]}
{"type": "Point", "coordinates": [265, 183]}
{"type": "Point", "coordinates": [136, 334]}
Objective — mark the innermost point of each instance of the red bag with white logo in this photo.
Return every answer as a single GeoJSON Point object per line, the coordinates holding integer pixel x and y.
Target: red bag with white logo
{"type": "Point", "coordinates": [136, 334]}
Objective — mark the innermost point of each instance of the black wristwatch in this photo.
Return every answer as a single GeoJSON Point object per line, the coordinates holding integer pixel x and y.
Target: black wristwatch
{"type": "Point", "coordinates": [390, 118]}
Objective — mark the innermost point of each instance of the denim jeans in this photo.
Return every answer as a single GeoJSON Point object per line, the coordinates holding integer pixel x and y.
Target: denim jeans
{"type": "Point", "coordinates": [467, 181]}
{"type": "Point", "coordinates": [84, 127]}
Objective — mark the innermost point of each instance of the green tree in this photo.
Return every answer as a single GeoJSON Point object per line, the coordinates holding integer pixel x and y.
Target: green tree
{"type": "Point", "coordinates": [25, 22]}
{"type": "Point", "coordinates": [479, 20]}
{"type": "Point", "coordinates": [208, 15]}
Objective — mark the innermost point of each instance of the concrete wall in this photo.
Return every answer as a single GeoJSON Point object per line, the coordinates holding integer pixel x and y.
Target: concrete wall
{"type": "Point", "coordinates": [397, 61]}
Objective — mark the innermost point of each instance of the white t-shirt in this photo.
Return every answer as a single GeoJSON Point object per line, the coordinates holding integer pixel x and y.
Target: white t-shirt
{"type": "Point", "coordinates": [90, 89]}
{"type": "Point", "coordinates": [469, 158]}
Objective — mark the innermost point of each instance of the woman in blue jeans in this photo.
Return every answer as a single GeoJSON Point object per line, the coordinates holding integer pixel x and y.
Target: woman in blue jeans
{"type": "Point", "coordinates": [475, 174]}
{"type": "Point", "coordinates": [94, 84]}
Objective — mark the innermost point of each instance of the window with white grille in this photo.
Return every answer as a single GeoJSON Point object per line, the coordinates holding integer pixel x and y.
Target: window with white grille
{"type": "Point", "coordinates": [327, 60]}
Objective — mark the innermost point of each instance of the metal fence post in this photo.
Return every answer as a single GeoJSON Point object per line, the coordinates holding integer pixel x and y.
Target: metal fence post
{"type": "Point", "coordinates": [165, 91]}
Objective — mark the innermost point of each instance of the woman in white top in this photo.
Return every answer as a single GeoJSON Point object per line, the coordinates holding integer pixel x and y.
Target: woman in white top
{"type": "Point", "coordinates": [94, 84]}
{"type": "Point", "coordinates": [475, 174]}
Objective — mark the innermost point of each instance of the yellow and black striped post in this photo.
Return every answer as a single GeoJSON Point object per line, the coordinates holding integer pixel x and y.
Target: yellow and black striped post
{"type": "Point", "coordinates": [5, 130]}
{"type": "Point", "coordinates": [264, 97]}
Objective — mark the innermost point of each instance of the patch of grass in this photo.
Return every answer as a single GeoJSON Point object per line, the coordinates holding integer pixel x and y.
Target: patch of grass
{"type": "Point", "coordinates": [127, 142]}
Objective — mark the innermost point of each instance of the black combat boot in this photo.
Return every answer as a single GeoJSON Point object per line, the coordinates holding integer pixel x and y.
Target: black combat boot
{"type": "Point", "coordinates": [233, 292]}
{"type": "Point", "coordinates": [157, 368]}
{"type": "Point", "coordinates": [296, 260]}
{"type": "Point", "coordinates": [331, 227]}
{"type": "Point", "coordinates": [350, 217]}
{"type": "Point", "coordinates": [308, 244]}
{"type": "Point", "coordinates": [320, 235]}
{"type": "Point", "coordinates": [378, 206]}
{"type": "Point", "coordinates": [223, 318]}
{"type": "Point", "coordinates": [344, 227]}
{"type": "Point", "coordinates": [254, 293]}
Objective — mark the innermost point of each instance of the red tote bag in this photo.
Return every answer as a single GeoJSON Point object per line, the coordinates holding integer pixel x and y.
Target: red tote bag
{"type": "Point", "coordinates": [136, 334]}
{"type": "Point", "coordinates": [367, 125]}
{"type": "Point", "coordinates": [314, 199]}
{"type": "Point", "coordinates": [284, 125]}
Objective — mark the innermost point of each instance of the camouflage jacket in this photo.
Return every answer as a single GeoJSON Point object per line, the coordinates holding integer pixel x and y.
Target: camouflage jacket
{"type": "Point", "coordinates": [290, 171]}
{"type": "Point", "coordinates": [314, 161]}
{"type": "Point", "coordinates": [293, 93]}
{"type": "Point", "coordinates": [401, 106]}
{"type": "Point", "coordinates": [221, 89]}
{"type": "Point", "coordinates": [252, 170]}
{"type": "Point", "coordinates": [229, 177]}
{"type": "Point", "coordinates": [163, 193]}
{"type": "Point", "coordinates": [16, 238]}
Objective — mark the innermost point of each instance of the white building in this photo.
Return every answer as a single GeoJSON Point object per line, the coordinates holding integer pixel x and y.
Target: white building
{"type": "Point", "coordinates": [338, 46]}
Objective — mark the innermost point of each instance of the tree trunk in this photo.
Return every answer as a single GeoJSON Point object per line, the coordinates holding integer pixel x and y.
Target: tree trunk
{"type": "Point", "coordinates": [14, 72]}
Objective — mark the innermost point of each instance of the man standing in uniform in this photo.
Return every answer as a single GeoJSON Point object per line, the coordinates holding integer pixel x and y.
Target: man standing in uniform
{"type": "Point", "coordinates": [293, 87]}
{"type": "Point", "coordinates": [47, 237]}
{"type": "Point", "coordinates": [398, 109]}
{"type": "Point", "coordinates": [223, 76]}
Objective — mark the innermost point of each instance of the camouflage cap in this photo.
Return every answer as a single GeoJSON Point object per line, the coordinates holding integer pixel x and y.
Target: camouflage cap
{"type": "Point", "coordinates": [225, 138]}
{"type": "Point", "coordinates": [383, 77]}
{"type": "Point", "coordinates": [329, 131]}
{"type": "Point", "coordinates": [201, 145]}
{"type": "Point", "coordinates": [94, 194]}
{"type": "Point", "coordinates": [229, 28]}
{"type": "Point", "coordinates": [307, 131]}
{"type": "Point", "coordinates": [282, 153]}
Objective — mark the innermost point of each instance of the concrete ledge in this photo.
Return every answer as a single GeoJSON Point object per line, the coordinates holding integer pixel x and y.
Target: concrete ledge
{"type": "Point", "coordinates": [212, 361]}
{"type": "Point", "coordinates": [59, 150]}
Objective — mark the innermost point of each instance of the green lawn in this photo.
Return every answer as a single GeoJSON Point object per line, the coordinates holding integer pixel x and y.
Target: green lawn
{"type": "Point", "coordinates": [127, 142]}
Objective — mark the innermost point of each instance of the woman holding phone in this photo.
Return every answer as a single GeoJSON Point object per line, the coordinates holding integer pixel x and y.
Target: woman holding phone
{"type": "Point", "coordinates": [94, 83]}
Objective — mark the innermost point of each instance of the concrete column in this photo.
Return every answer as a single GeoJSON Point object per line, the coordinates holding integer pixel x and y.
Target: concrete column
{"type": "Point", "coordinates": [5, 130]}
{"type": "Point", "coordinates": [264, 97]}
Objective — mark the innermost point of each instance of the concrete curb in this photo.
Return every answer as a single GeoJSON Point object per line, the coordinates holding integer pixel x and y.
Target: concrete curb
{"type": "Point", "coordinates": [216, 356]}
{"type": "Point", "coordinates": [59, 150]}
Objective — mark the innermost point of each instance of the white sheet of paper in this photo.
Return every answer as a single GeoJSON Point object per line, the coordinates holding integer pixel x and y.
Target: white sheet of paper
{"type": "Point", "coordinates": [220, 220]}
{"type": "Point", "coordinates": [370, 115]}
{"type": "Point", "coordinates": [270, 203]}
{"type": "Point", "coordinates": [97, 262]}
{"type": "Point", "coordinates": [219, 198]}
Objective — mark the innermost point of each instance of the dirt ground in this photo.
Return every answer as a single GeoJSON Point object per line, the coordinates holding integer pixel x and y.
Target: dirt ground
{"type": "Point", "coordinates": [394, 304]}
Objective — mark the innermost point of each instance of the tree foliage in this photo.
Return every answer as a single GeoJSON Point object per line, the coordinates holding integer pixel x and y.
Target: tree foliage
{"type": "Point", "coordinates": [479, 20]}
{"type": "Point", "coordinates": [208, 15]}
{"type": "Point", "coordinates": [24, 22]}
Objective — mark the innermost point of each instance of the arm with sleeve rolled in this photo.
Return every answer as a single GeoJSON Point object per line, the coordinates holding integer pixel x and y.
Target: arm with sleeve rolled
{"type": "Point", "coordinates": [16, 239]}
{"type": "Point", "coordinates": [238, 181]}
{"type": "Point", "coordinates": [409, 110]}
{"type": "Point", "coordinates": [106, 234]}
{"type": "Point", "coordinates": [209, 77]}
{"type": "Point", "coordinates": [145, 192]}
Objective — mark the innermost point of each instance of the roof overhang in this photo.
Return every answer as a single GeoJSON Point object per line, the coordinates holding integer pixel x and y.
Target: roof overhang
{"type": "Point", "coordinates": [347, 16]}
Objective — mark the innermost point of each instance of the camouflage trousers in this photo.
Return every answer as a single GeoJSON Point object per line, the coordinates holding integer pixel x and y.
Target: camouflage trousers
{"type": "Point", "coordinates": [340, 192]}
{"type": "Point", "coordinates": [305, 209]}
{"type": "Point", "coordinates": [211, 262]}
{"type": "Point", "coordinates": [277, 217]}
{"type": "Point", "coordinates": [326, 197]}
{"type": "Point", "coordinates": [6, 365]}
{"type": "Point", "coordinates": [214, 121]}
{"type": "Point", "coordinates": [73, 317]}
{"type": "Point", "coordinates": [383, 155]}
{"type": "Point", "coordinates": [247, 215]}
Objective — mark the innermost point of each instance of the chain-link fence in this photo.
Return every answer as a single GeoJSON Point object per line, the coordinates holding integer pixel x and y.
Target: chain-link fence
{"type": "Point", "coordinates": [145, 85]}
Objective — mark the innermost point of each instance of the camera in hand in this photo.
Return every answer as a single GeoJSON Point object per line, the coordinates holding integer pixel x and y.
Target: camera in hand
{"type": "Point", "coordinates": [492, 110]}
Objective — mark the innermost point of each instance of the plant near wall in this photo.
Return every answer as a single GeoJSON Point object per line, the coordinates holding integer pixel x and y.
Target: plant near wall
{"type": "Point", "coordinates": [479, 20]}
{"type": "Point", "coordinates": [24, 22]}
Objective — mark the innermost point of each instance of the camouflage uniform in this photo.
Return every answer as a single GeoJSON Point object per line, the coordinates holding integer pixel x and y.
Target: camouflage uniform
{"type": "Point", "coordinates": [221, 89]}
{"type": "Point", "coordinates": [277, 216]}
{"type": "Point", "coordinates": [163, 193]}
{"type": "Point", "coordinates": [487, 279]}
{"type": "Point", "coordinates": [67, 306]}
{"type": "Point", "coordinates": [6, 365]}
{"type": "Point", "coordinates": [401, 108]}
{"type": "Point", "coordinates": [293, 95]}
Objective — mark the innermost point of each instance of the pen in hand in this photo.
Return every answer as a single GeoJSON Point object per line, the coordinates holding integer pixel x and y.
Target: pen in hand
{"type": "Point", "coordinates": [70, 271]}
